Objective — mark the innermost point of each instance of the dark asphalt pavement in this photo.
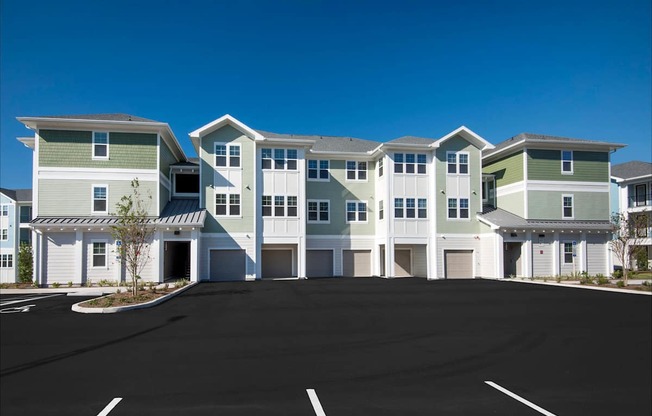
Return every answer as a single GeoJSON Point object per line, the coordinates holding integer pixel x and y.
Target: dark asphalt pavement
{"type": "Point", "coordinates": [367, 347]}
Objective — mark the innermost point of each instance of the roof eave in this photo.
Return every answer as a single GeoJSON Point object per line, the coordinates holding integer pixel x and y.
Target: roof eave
{"type": "Point", "coordinates": [226, 119]}
{"type": "Point", "coordinates": [467, 134]}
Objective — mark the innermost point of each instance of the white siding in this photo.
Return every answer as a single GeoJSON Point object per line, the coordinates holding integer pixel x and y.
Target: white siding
{"type": "Point", "coordinates": [97, 274]}
{"type": "Point", "coordinates": [487, 255]}
{"type": "Point", "coordinates": [567, 268]}
{"type": "Point", "coordinates": [542, 255]}
{"type": "Point", "coordinates": [60, 258]}
{"type": "Point", "coordinates": [596, 254]}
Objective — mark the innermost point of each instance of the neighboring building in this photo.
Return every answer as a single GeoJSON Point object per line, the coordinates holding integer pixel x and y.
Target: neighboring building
{"type": "Point", "coordinates": [15, 216]}
{"type": "Point", "coordinates": [634, 195]}
{"type": "Point", "coordinates": [258, 205]}
{"type": "Point", "coordinates": [551, 213]}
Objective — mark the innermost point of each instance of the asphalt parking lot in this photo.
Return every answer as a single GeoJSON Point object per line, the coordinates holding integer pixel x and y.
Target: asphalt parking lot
{"type": "Point", "coordinates": [336, 347]}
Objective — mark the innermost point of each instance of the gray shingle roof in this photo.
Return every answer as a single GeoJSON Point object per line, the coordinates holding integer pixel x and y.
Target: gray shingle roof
{"type": "Point", "coordinates": [506, 219]}
{"type": "Point", "coordinates": [412, 140]}
{"type": "Point", "coordinates": [103, 117]}
{"type": "Point", "coordinates": [19, 195]}
{"type": "Point", "coordinates": [329, 143]}
{"type": "Point", "coordinates": [633, 169]}
{"type": "Point", "coordinates": [541, 138]}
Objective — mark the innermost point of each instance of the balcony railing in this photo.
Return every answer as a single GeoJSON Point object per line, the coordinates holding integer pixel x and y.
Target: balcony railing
{"type": "Point", "coordinates": [639, 200]}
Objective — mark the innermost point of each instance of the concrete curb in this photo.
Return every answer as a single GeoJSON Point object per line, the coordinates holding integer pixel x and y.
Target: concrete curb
{"type": "Point", "coordinates": [78, 291]}
{"type": "Point", "coordinates": [80, 309]}
{"type": "Point", "coordinates": [575, 286]}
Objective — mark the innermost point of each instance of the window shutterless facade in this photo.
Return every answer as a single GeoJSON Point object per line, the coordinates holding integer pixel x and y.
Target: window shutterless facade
{"type": "Point", "coordinates": [356, 171]}
{"type": "Point", "coordinates": [410, 163]}
{"type": "Point", "coordinates": [25, 214]}
{"type": "Point", "coordinates": [99, 254]}
{"type": "Point", "coordinates": [100, 199]}
{"type": "Point", "coordinates": [458, 208]}
{"type": "Point", "coordinates": [356, 211]}
{"type": "Point", "coordinates": [7, 261]}
{"type": "Point", "coordinates": [227, 155]}
{"type": "Point", "coordinates": [381, 210]}
{"type": "Point", "coordinates": [568, 253]}
{"type": "Point", "coordinates": [100, 145]}
{"type": "Point", "coordinates": [227, 205]}
{"type": "Point", "coordinates": [279, 159]}
{"type": "Point", "coordinates": [4, 210]}
{"type": "Point", "coordinates": [4, 234]}
{"type": "Point", "coordinates": [279, 206]}
{"type": "Point", "coordinates": [318, 211]}
{"type": "Point", "coordinates": [567, 206]}
{"type": "Point", "coordinates": [25, 236]}
{"type": "Point", "coordinates": [318, 170]}
{"type": "Point", "coordinates": [566, 162]}
{"type": "Point", "coordinates": [381, 168]}
{"type": "Point", "coordinates": [457, 163]}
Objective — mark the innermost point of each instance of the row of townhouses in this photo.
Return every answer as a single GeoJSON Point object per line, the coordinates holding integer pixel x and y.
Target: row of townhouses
{"type": "Point", "coordinates": [256, 204]}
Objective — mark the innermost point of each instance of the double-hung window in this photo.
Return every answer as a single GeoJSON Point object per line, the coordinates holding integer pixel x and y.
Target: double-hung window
{"type": "Point", "coordinates": [267, 206]}
{"type": "Point", "coordinates": [7, 261]}
{"type": "Point", "coordinates": [227, 155]}
{"type": "Point", "coordinates": [25, 214]}
{"type": "Point", "coordinates": [566, 162]}
{"type": "Point", "coordinates": [381, 210]}
{"type": "Point", "coordinates": [279, 206]}
{"type": "Point", "coordinates": [409, 163]}
{"type": "Point", "coordinates": [279, 159]}
{"type": "Point", "coordinates": [266, 157]}
{"type": "Point", "coordinates": [381, 167]}
{"type": "Point", "coordinates": [458, 208]}
{"type": "Point", "coordinates": [410, 208]}
{"type": "Point", "coordinates": [318, 170]}
{"type": "Point", "coordinates": [356, 211]}
{"type": "Point", "coordinates": [451, 162]}
{"type": "Point", "coordinates": [227, 205]}
{"type": "Point", "coordinates": [422, 208]}
{"type": "Point", "coordinates": [100, 145]}
{"type": "Point", "coordinates": [567, 206]}
{"type": "Point", "coordinates": [356, 171]}
{"type": "Point", "coordinates": [398, 162]}
{"type": "Point", "coordinates": [4, 234]}
{"type": "Point", "coordinates": [99, 254]}
{"type": "Point", "coordinates": [568, 253]}
{"type": "Point", "coordinates": [100, 199]}
{"type": "Point", "coordinates": [4, 210]}
{"type": "Point", "coordinates": [457, 163]}
{"type": "Point", "coordinates": [318, 211]}
{"type": "Point", "coordinates": [399, 209]}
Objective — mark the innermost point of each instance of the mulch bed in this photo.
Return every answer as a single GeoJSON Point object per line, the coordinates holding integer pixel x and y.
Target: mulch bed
{"type": "Point", "coordinates": [126, 298]}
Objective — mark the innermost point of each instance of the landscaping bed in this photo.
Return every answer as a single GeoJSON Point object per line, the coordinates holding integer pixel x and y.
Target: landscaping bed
{"type": "Point", "coordinates": [126, 298]}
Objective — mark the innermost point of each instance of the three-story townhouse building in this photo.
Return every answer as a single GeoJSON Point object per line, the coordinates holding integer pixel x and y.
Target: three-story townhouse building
{"type": "Point", "coordinates": [258, 205]}
{"type": "Point", "coordinates": [82, 166]}
{"type": "Point", "coordinates": [634, 196]}
{"type": "Point", "coordinates": [15, 216]}
{"type": "Point", "coordinates": [551, 213]}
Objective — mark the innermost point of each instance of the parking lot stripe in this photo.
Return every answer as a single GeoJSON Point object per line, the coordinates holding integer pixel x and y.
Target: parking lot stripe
{"type": "Point", "coordinates": [11, 302]}
{"type": "Point", "coordinates": [319, 411]}
{"type": "Point", "coordinates": [110, 406]}
{"type": "Point", "coordinates": [520, 399]}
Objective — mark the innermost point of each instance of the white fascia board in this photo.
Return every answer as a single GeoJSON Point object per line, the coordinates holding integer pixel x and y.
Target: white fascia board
{"type": "Point", "coordinates": [273, 140]}
{"type": "Point", "coordinates": [77, 124]}
{"type": "Point", "coordinates": [554, 145]}
{"type": "Point", "coordinates": [487, 222]}
{"type": "Point", "coordinates": [359, 155]}
{"type": "Point", "coordinates": [469, 135]}
{"type": "Point", "coordinates": [222, 121]}
{"type": "Point", "coordinates": [626, 181]}
{"type": "Point", "coordinates": [407, 146]}
{"type": "Point", "coordinates": [27, 141]}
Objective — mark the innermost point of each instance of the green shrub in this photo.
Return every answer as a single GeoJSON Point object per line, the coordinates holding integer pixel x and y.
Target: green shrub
{"type": "Point", "coordinates": [586, 279]}
{"type": "Point", "coordinates": [25, 263]}
{"type": "Point", "coordinates": [69, 283]}
{"type": "Point", "coordinates": [617, 274]}
{"type": "Point", "coordinates": [641, 259]}
{"type": "Point", "coordinates": [56, 285]}
{"type": "Point", "coordinates": [620, 283]}
{"type": "Point", "coordinates": [601, 279]}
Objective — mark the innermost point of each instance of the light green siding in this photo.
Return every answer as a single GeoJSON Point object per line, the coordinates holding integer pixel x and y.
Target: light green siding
{"type": "Point", "coordinates": [444, 225]}
{"type": "Point", "coordinates": [513, 203]}
{"type": "Point", "coordinates": [73, 149]}
{"type": "Point", "coordinates": [338, 191]}
{"type": "Point", "coordinates": [228, 134]}
{"type": "Point", "coordinates": [545, 165]}
{"type": "Point", "coordinates": [73, 198]}
{"type": "Point", "coordinates": [547, 205]}
{"type": "Point", "coordinates": [507, 170]}
{"type": "Point", "coordinates": [167, 159]}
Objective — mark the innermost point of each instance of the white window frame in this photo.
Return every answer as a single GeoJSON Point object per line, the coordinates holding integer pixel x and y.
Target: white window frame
{"type": "Point", "coordinates": [108, 140]}
{"type": "Point", "coordinates": [415, 163]}
{"type": "Point", "coordinates": [7, 261]}
{"type": "Point", "coordinates": [318, 170]}
{"type": "Point", "coordinates": [564, 244]}
{"type": "Point", "coordinates": [286, 206]}
{"type": "Point", "coordinates": [4, 210]}
{"type": "Point", "coordinates": [106, 254]}
{"type": "Point", "coordinates": [4, 234]}
{"type": "Point", "coordinates": [571, 161]}
{"type": "Point", "coordinates": [381, 167]}
{"type": "Point", "coordinates": [227, 155]}
{"type": "Point", "coordinates": [458, 209]}
{"type": "Point", "coordinates": [357, 211]}
{"type": "Point", "coordinates": [99, 185]}
{"type": "Point", "coordinates": [228, 204]}
{"type": "Point", "coordinates": [319, 211]}
{"type": "Point", "coordinates": [458, 164]}
{"type": "Point", "coordinates": [357, 171]}
{"type": "Point", "coordinates": [572, 206]}
{"type": "Point", "coordinates": [381, 210]}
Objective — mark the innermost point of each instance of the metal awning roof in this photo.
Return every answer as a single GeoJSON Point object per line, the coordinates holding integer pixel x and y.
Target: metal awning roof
{"type": "Point", "coordinates": [499, 218]}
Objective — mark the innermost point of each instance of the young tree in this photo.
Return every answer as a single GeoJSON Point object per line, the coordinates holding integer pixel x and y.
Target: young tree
{"type": "Point", "coordinates": [25, 263]}
{"type": "Point", "coordinates": [629, 231]}
{"type": "Point", "coordinates": [134, 232]}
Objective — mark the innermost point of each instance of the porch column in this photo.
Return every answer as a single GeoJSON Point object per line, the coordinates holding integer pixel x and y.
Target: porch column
{"type": "Point", "coordinates": [556, 271]}
{"type": "Point", "coordinates": [79, 257]}
{"type": "Point", "coordinates": [194, 255]}
{"type": "Point", "coordinates": [500, 255]}
{"type": "Point", "coordinates": [582, 247]}
{"type": "Point", "coordinates": [527, 256]}
{"type": "Point", "coordinates": [389, 259]}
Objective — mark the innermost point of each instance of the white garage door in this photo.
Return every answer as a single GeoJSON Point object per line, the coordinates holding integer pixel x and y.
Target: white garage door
{"type": "Point", "coordinates": [60, 258]}
{"type": "Point", "coordinates": [356, 263]}
{"type": "Point", "coordinates": [319, 263]}
{"type": "Point", "coordinates": [276, 264]}
{"type": "Point", "coordinates": [227, 265]}
{"type": "Point", "coordinates": [458, 264]}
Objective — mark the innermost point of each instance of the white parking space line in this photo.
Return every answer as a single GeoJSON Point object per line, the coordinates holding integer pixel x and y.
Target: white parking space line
{"type": "Point", "coordinates": [520, 399]}
{"type": "Point", "coordinates": [319, 411]}
{"type": "Point", "coordinates": [11, 302]}
{"type": "Point", "coordinates": [110, 406]}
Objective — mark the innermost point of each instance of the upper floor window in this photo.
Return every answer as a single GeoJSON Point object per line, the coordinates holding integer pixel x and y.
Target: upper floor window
{"type": "Point", "coordinates": [99, 254]}
{"type": "Point", "coordinates": [279, 159]}
{"type": "Point", "coordinates": [4, 210]}
{"type": "Point", "coordinates": [25, 214]}
{"type": "Point", "coordinates": [100, 199]}
{"type": "Point", "coordinates": [283, 206]}
{"type": "Point", "coordinates": [409, 163]}
{"type": "Point", "coordinates": [381, 210]}
{"type": "Point", "coordinates": [567, 206]}
{"type": "Point", "coordinates": [641, 195]}
{"type": "Point", "coordinates": [227, 155]}
{"type": "Point", "coordinates": [4, 234]}
{"type": "Point", "coordinates": [318, 211]}
{"type": "Point", "coordinates": [25, 236]}
{"type": "Point", "coordinates": [410, 208]}
{"type": "Point", "coordinates": [100, 145]}
{"type": "Point", "coordinates": [318, 170]}
{"type": "Point", "coordinates": [356, 171]}
{"type": "Point", "coordinates": [7, 261]}
{"type": "Point", "coordinates": [381, 167]}
{"type": "Point", "coordinates": [356, 211]}
{"type": "Point", "coordinates": [458, 208]}
{"type": "Point", "coordinates": [566, 161]}
{"type": "Point", "coordinates": [227, 205]}
{"type": "Point", "coordinates": [457, 163]}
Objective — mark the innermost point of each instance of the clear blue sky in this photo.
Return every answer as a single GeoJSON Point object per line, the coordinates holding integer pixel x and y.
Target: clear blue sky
{"type": "Point", "coordinates": [375, 70]}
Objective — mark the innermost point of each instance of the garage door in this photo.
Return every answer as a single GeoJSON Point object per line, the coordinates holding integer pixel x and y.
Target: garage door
{"type": "Point", "coordinates": [227, 265]}
{"type": "Point", "coordinates": [319, 263]}
{"type": "Point", "coordinates": [60, 257]}
{"type": "Point", "coordinates": [458, 264]}
{"type": "Point", "coordinates": [402, 263]}
{"type": "Point", "coordinates": [276, 263]}
{"type": "Point", "coordinates": [356, 263]}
